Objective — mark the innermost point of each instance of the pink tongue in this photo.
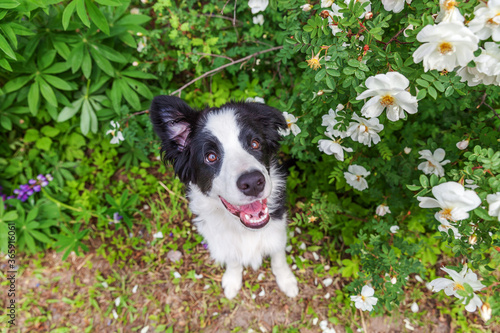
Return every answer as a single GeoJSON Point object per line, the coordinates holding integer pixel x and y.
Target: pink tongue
{"type": "Point", "coordinates": [252, 209]}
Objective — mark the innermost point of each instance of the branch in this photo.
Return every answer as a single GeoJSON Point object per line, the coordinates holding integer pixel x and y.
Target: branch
{"type": "Point", "coordinates": [232, 19]}
{"type": "Point", "coordinates": [489, 106]}
{"type": "Point", "coordinates": [218, 69]}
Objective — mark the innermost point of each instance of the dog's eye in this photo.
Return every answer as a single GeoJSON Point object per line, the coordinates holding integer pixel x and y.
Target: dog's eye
{"type": "Point", "coordinates": [211, 157]}
{"type": "Point", "coordinates": [255, 144]}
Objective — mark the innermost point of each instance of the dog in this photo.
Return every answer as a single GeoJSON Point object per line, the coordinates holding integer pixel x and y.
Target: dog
{"type": "Point", "coordinates": [227, 158]}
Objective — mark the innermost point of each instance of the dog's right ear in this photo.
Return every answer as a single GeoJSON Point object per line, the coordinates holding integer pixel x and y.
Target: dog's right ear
{"type": "Point", "coordinates": [173, 121]}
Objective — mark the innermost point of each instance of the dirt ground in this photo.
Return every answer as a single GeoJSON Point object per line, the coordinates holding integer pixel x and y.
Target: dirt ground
{"type": "Point", "coordinates": [70, 294]}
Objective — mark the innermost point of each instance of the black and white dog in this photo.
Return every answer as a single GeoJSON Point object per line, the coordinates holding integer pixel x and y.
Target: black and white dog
{"type": "Point", "coordinates": [226, 158]}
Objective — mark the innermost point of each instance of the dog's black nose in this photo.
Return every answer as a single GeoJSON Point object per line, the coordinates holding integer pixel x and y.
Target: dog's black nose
{"type": "Point", "coordinates": [251, 183]}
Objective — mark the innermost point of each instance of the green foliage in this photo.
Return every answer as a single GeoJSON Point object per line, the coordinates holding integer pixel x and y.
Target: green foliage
{"type": "Point", "coordinates": [69, 68]}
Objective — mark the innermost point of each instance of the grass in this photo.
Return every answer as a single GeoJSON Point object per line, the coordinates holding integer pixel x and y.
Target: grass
{"type": "Point", "coordinates": [80, 294]}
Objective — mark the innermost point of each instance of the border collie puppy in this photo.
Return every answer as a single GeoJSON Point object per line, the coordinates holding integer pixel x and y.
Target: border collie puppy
{"type": "Point", "coordinates": [226, 158]}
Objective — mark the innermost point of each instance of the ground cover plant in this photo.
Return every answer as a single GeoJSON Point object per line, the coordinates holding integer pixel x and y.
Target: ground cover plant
{"type": "Point", "coordinates": [392, 150]}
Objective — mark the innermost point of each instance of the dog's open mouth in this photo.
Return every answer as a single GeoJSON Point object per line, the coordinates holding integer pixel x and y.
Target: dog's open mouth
{"type": "Point", "coordinates": [254, 215]}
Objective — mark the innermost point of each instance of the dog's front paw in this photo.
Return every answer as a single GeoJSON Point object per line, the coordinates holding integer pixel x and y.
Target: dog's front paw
{"type": "Point", "coordinates": [288, 284]}
{"type": "Point", "coordinates": [232, 284]}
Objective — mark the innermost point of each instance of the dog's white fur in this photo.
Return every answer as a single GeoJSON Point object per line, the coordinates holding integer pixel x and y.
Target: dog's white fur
{"type": "Point", "coordinates": [229, 241]}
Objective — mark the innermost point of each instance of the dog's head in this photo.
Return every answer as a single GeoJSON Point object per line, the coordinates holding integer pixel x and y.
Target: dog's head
{"type": "Point", "coordinates": [226, 152]}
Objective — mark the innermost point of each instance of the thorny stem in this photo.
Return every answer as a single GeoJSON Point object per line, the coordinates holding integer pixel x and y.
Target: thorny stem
{"type": "Point", "coordinates": [218, 69]}
{"type": "Point", "coordinates": [483, 98]}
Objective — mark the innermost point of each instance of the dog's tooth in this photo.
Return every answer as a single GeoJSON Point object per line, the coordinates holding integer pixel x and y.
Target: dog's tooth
{"type": "Point", "coordinates": [247, 217]}
{"type": "Point", "coordinates": [266, 210]}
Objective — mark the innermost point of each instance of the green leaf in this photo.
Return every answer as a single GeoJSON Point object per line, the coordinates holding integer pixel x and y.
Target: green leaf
{"type": "Point", "coordinates": [68, 12]}
{"type": "Point", "coordinates": [140, 87]}
{"type": "Point", "coordinates": [427, 77]}
{"type": "Point", "coordinates": [85, 118]}
{"type": "Point", "coordinates": [40, 236]}
{"type": "Point", "coordinates": [102, 62]}
{"type": "Point", "coordinates": [82, 13]}
{"type": "Point", "coordinates": [97, 17]}
{"type": "Point", "coordinates": [30, 242]}
{"type": "Point", "coordinates": [483, 214]}
{"type": "Point", "coordinates": [86, 65]}
{"type": "Point", "coordinates": [34, 98]}
{"type": "Point", "coordinates": [46, 59]}
{"type": "Point", "coordinates": [421, 94]}
{"type": "Point", "coordinates": [10, 216]}
{"type": "Point", "coordinates": [8, 4]}
{"type": "Point", "coordinates": [330, 82]}
{"type": "Point", "coordinates": [76, 56]}
{"type": "Point", "coordinates": [44, 143]}
{"type": "Point", "coordinates": [108, 2]}
{"type": "Point", "coordinates": [434, 180]}
{"type": "Point", "coordinates": [9, 32]}
{"type": "Point", "coordinates": [423, 83]}
{"type": "Point", "coordinates": [5, 64]}
{"type": "Point", "coordinates": [424, 181]}
{"type": "Point", "coordinates": [57, 82]}
{"type": "Point", "coordinates": [138, 74]}
{"type": "Point", "coordinates": [31, 135]}
{"type": "Point", "coordinates": [49, 131]}
{"type": "Point", "coordinates": [449, 91]}
{"type": "Point", "coordinates": [47, 92]}
{"type": "Point", "coordinates": [353, 63]}
{"type": "Point", "coordinates": [348, 70]}
{"type": "Point", "coordinates": [398, 59]}
{"type": "Point", "coordinates": [6, 123]}
{"type": "Point", "coordinates": [413, 187]}
{"type": "Point", "coordinates": [109, 53]}
{"type": "Point", "coordinates": [439, 86]}
{"type": "Point", "coordinates": [57, 68]}
{"type": "Point", "coordinates": [320, 75]}
{"type": "Point", "coordinates": [17, 83]}
{"type": "Point", "coordinates": [62, 49]}
{"type": "Point", "coordinates": [432, 92]}
{"type": "Point", "coordinates": [130, 96]}
{"type": "Point", "coordinates": [69, 111]}
{"type": "Point", "coordinates": [116, 96]}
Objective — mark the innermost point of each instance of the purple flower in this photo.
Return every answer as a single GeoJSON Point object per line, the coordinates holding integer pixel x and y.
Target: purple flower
{"type": "Point", "coordinates": [117, 217]}
{"type": "Point", "coordinates": [26, 190]}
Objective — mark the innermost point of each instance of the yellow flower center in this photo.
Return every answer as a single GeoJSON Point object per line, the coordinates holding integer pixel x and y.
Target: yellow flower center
{"type": "Point", "coordinates": [491, 20]}
{"type": "Point", "coordinates": [313, 63]}
{"type": "Point", "coordinates": [359, 179]}
{"type": "Point", "coordinates": [445, 48]}
{"type": "Point", "coordinates": [450, 4]}
{"type": "Point", "coordinates": [446, 213]}
{"type": "Point", "coordinates": [458, 286]}
{"type": "Point", "coordinates": [387, 100]}
{"type": "Point", "coordinates": [363, 298]}
{"type": "Point", "coordinates": [289, 125]}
